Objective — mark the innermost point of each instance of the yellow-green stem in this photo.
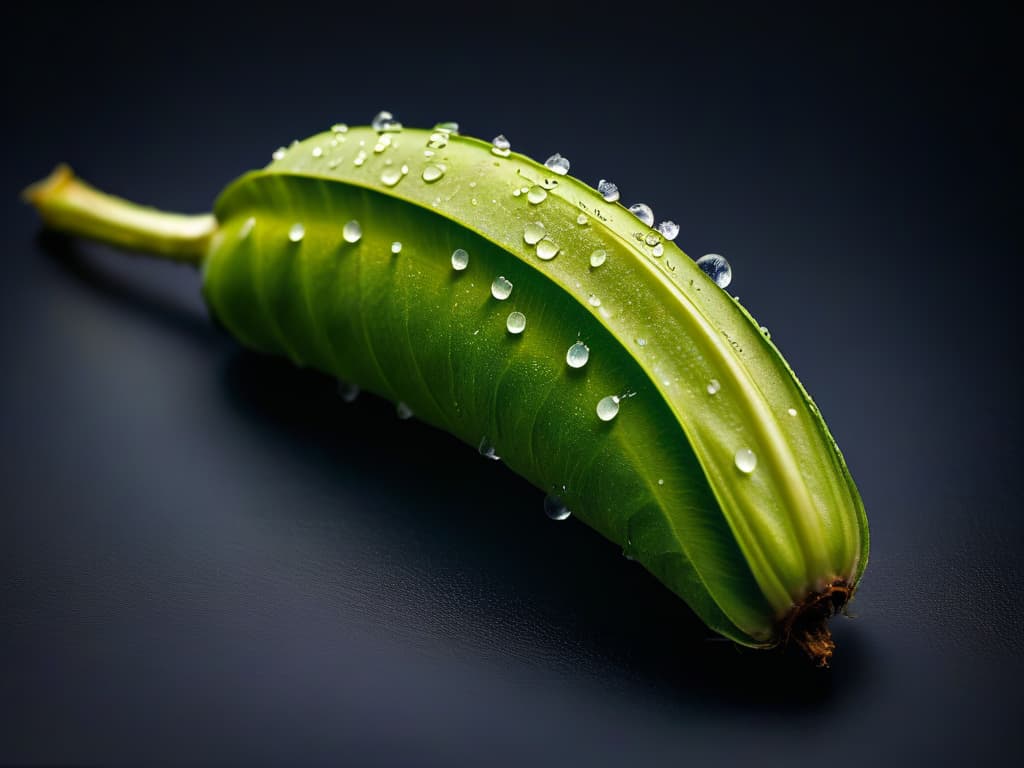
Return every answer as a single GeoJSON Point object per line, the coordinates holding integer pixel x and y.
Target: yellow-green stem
{"type": "Point", "coordinates": [67, 203]}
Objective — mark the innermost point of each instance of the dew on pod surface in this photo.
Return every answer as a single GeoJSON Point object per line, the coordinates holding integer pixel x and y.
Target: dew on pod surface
{"type": "Point", "coordinates": [641, 342]}
{"type": "Point", "coordinates": [460, 259]}
{"type": "Point", "coordinates": [652, 239]}
{"type": "Point", "coordinates": [593, 301]}
{"type": "Point", "coordinates": [486, 449]}
{"type": "Point", "coordinates": [578, 355]}
{"type": "Point", "coordinates": [765, 332]}
{"type": "Point", "coordinates": [448, 126]}
{"type": "Point", "coordinates": [352, 232]}
{"type": "Point", "coordinates": [501, 146]}
{"type": "Point", "coordinates": [791, 411]}
{"type": "Point", "coordinates": [717, 268]}
{"type": "Point", "coordinates": [608, 408]}
{"type": "Point", "coordinates": [555, 508]}
{"type": "Point", "coordinates": [546, 250]}
{"type": "Point", "coordinates": [669, 229]}
{"type": "Point", "coordinates": [714, 386]}
{"type": "Point", "coordinates": [246, 229]}
{"type": "Point", "coordinates": [318, 152]}
{"type": "Point", "coordinates": [658, 250]}
{"type": "Point", "coordinates": [359, 159]}
{"type": "Point", "coordinates": [501, 288]}
{"type": "Point", "coordinates": [516, 323]}
{"type": "Point", "coordinates": [608, 191]}
{"type": "Point", "coordinates": [384, 121]}
{"type": "Point", "coordinates": [534, 233]}
{"type": "Point", "coordinates": [403, 410]}
{"type": "Point", "coordinates": [396, 247]}
{"type": "Point", "coordinates": [536, 195]}
{"type": "Point", "coordinates": [643, 212]}
{"type": "Point", "coordinates": [582, 220]}
{"type": "Point", "coordinates": [339, 128]}
{"type": "Point", "coordinates": [390, 176]}
{"type": "Point", "coordinates": [558, 164]}
{"type": "Point", "coordinates": [348, 391]}
{"type": "Point", "coordinates": [745, 460]}
{"type": "Point", "coordinates": [279, 153]}
{"type": "Point", "coordinates": [432, 173]}
{"type": "Point", "coordinates": [598, 257]}
{"type": "Point", "coordinates": [297, 232]}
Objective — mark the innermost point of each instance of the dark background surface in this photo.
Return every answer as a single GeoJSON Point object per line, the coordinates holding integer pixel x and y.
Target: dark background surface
{"type": "Point", "coordinates": [205, 556]}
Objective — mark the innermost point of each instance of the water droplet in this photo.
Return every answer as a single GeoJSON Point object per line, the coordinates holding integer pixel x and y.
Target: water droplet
{"type": "Point", "coordinates": [641, 342]}
{"type": "Point", "coordinates": [546, 250]}
{"type": "Point", "coordinates": [449, 126]}
{"type": "Point", "coordinates": [396, 247]}
{"type": "Point", "coordinates": [403, 410]}
{"type": "Point", "coordinates": [657, 251]}
{"type": "Point", "coordinates": [534, 233]}
{"type": "Point", "coordinates": [486, 449]}
{"type": "Point", "coordinates": [643, 212]}
{"type": "Point", "coordinates": [390, 176]}
{"type": "Point", "coordinates": [608, 191]}
{"type": "Point", "coordinates": [383, 142]}
{"type": "Point", "coordinates": [502, 147]}
{"type": "Point", "coordinates": [745, 460]}
{"type": "Point", "coordinates": [669, 229]}
{"type": "Point", "coordinates": [582, 220]}
{"type": "Point", "coordinates": [555, 508]}
{"type": "Point", "coordinates": [661, 481]}
{"type": "Point", "coordinates": [536, 195]}
{"type": "Point", "coordinates": [765, 332]}
{"type": "Point", "coordinates": [598, 257]}
{"type": "Point", "coordinates": [334, 163]}
{"type": "Point", "coordinates": [348, 391]}
{"type": "Point", "coordinates": [501, 288]}
{"type": "Point", "coordinates": [593, 301]}
{"type": "Point", "coordinates": [384, 121]}
{"type": "Point", "coordinates": [360, 158]}
{"type": "Point", "coordinates": [460, 259]}
{"type": "Point", "coordinates": [578, 355]}
{"type": "Point", "coordinates": [608, 408]}
{"type": "Point", "coordinates": [352, 232]}
{"type": "Point", "coordinates": [339, 128]}
{"type": "Point", "coordinates": [516, 323]}
{"type": "Point", "coordinates": [318, 151]}
{"type": "Point", "coordinates": [279, 153]}
{"type": "Point", "coordinates": [791, 411]}
{"type": "Point", "coordinates": [516, 192]}
{"type": "Point", "coordinates": [438, 140]}
{"type": "Point", "coordinates": [713, 386]}
{"type": "Point", "coordinates": [558, 164]}
{"type": "Point", "coordinates": [717, 268]}
{"type": "Point", "coordinates": [432, 173]}
{"type": "Point", "coordinates": [246, 229]}
{"type": "Point", "coordinates": [297, 232]}
{"type": "Point", "coordinates": [652, 239]}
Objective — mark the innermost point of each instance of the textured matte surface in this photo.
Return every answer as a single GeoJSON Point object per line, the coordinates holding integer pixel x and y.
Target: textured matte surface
{"type": "Point", "coordinates": [206, 556]}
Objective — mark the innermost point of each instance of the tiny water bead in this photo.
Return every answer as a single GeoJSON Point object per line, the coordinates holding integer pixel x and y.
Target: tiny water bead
{"type": "Point", "coordinates": [714, 386]}
{"type": "Point", "coordinates": [657, 251]}
{"type": "Point", "coordinates": [501, 288]}
{"type": "Point", "coordinates": [582, 220]}
{"type": "Point", "coordinates": [360, 158]}
{"type": "Point", "coordinates": [339, 128]}
{"type": "Point", "coordinates": [578, 355]}
{"type": "Point", "coordinates": [486, 449]}
{"type": "Point", "coordinates": [390, 176]}
{"type": "Point", "coordinates": [641, 342]}
{"type": "Point", "coordinates": [318, 152]}
{"type": "Point", "coordinates": [608, 408]}
{"type": "Point", "coordinates": [555, 508]}
{"type": "Point", "coordinates": [432, 173]}
{"type": "Point", "coordinates": [279, 153]}
{"type": "Point", "coordinates": [516, 323]}
{"type": "Point", "coordinates": [643, 212]}
{"type": "Point", "coordinates": [536, 195]}
{"type": "Point", "coordinates": [384, 121]}
{"type": "Point", "coordinates": [598, 257]}
{"type": "Point", "coordinates": [297, 232]}
{"type": "Point", "coordinates": [669, 229]}
{"type": "Point", "coordinates": [501, 146]}
{"type": "Point", "coordinates": [558, 164]}
{"type": "Point", "coordinates": [534, 233]}
{"type": "Point", "coordinates": [403, 410]}
{"type": "Point", "coordinates": [745, 460]}
{"type": "Point", "coordinates": [246, 229]}
{"type": "Point", "coordinates": [352, 232]}
{"type": "Point", "coordinates": [791, 411]}
{"type": "Point", "coordinates": [765, 332]}
{"type": "Point", "coordinates": [717, 268]}
{"type": "Point", "coordinates": [607, 190]}
{"type": "Point", "coordinates": [448, 126]}
{"type": "Point", "coordinates": [652, 239]}
{"type": "Point", "coordinates": [593, 301]}
{"type": "Point", "coordinates": [460, 259]}
{"type": "Point", "coordinates": [348, 391]}
{"type": "Point", "coordinates": [546, 250]}
{"type": "Point", "coordinates": [396, 247]}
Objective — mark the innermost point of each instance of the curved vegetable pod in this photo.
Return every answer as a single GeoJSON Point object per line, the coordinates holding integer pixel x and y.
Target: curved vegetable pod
{"type": "Point", "coordinates": [513, 306]}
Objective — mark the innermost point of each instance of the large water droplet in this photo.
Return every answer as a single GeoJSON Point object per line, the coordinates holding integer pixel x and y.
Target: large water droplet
{"type": "Point", "coordinates": [745, 460]}
{"type": "Point", "coordinates": [502, 147]}
{"type": "Point", "coordinates": [433, 173]}
{"type": "Point", "coordinates": [246, 229]}
{"type": "Point", "coordinates": [608, 408]}
{"type": "Point", "coordinates": [578, 355]}
{"type": "Point", "coordinates": [714, 386]}
{"type": "Point", "coordinates": [546, 250]}
{"type": "Point", "coordinates": [558, 164]}
{"type": "Point", "coordinates": [360, 158]}
{"type": "Point", "coordinates": [486, 449]}
{"type": "Point", "coordinates": [536, 195]}
{"type": "Point", "coordinates": [448, 126]}
{"type": "Point", "coordinates": [717, 268]}
{"type": "Point", "coordinates": [669, 229]}
{"type": "Point", "coordinates": [390, 176]}
{"type": "Point", "coordinates": [516, 323]}
{"type": "Point", "coordinates": [348, 391]}
{"type": "Point", "coordinates": [598, 257]}
{"type": "Point", "coordinates": [555, 508]}
{"type": "Point", "coordinates": [460, 259]}
{"type": "Point", "coordinates": [339, 128]}
{"type": "Point", "coordinates": [352, 232]}
{"type": "Point", "coordinates": [396, 248]}
{"type": "Point", "coordinates": [608, 191]}
{"type": "Point", "coordinates": [501, 288]}
{"type": "Point", "coordinates": [382, 143]}
{"type": "Point", "coordinates": [403, 410]}
{"type": "Point", "coordinates": [643, 212]}
{"type": "Point", "coordinates": [534, 233]}
{"type": "Point", "coordinates": [279, 153]}
{"type": "Point", "coordinates": [385, 121]}
{"type": "Point", "coordinates": [297, 232]}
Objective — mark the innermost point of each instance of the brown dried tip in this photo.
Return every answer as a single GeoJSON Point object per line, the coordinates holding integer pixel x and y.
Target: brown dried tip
{"type": "Point", "coordinates": [807, 624]}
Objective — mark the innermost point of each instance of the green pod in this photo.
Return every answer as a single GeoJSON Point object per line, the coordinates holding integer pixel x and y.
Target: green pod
{"type": "Point", "coordinates": [460, 280]}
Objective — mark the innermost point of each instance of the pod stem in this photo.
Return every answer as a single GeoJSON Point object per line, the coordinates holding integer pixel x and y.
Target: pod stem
{"type": "Point", "coordinates": [69, 204]}
{"type": "Point", "coordinates": [807, 624]}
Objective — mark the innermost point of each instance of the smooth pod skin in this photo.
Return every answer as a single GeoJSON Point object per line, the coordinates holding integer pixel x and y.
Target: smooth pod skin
{"type": "Point", "coordinates": [339, 256]}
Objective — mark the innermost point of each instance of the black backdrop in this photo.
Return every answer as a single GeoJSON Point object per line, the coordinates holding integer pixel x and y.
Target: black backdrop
{"type": "Point", "coordinates": [206, 557]}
